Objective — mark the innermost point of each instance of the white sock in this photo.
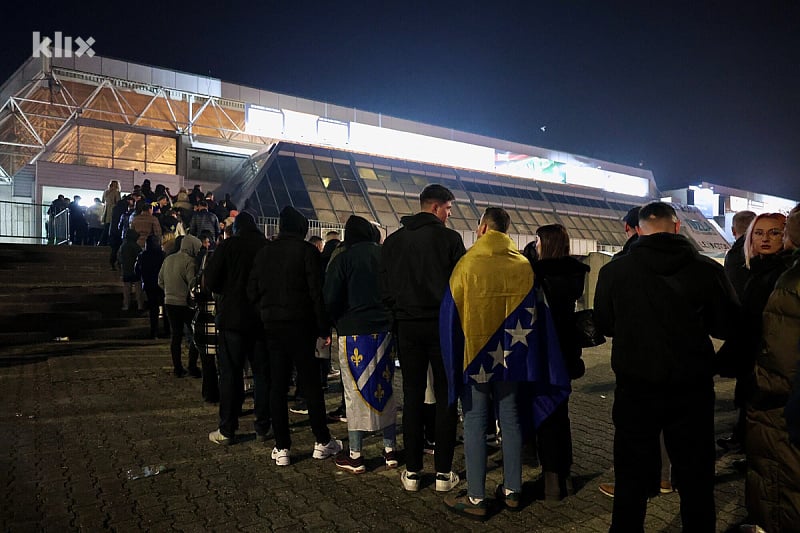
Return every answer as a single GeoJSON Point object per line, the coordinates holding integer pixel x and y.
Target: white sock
{"type": "Point", "coordinates": [475, 501]}
{"type": "Point", "coordinates": [355, 454]}
{"type": "Point", "coordinates": [388, 449]}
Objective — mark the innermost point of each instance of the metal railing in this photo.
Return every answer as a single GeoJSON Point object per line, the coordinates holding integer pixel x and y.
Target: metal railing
{"type": "Point", "coordinates": [28, 223]}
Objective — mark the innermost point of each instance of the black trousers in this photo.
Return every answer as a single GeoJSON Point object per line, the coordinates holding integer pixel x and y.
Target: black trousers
{"type": "Point", "coordinates": [554, 441]}
{"type": "Point", "coordinates": [180, 320]}
{"type": "Point", "coordinates": [418, 346]}
{"type": "Point", "coordinates": [294, 342]}
{"type": "Point", "coordinates": [155, 298]}
{"type": "Point", "coordinates": [686, 416]}
{"type": "Point", "coordinates": [233, 349]}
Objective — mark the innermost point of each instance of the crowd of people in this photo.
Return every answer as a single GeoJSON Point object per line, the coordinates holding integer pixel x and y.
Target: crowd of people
{"type": "Point", "coordinates": [491, 328]}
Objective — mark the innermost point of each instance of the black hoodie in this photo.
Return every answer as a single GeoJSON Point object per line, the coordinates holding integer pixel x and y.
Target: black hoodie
{"type": "Point", "coordinates": [416, 263]}
{"type": "Point", "coordinates": [660, 303]}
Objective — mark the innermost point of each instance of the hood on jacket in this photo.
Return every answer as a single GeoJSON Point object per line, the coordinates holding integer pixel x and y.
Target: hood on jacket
{"type": "Point", "coordinates": [358, 229]}
{"type": "Point", "coordinates": [292, 222]}
{"type": "Point", "coordinates": [663, 253]}
{"type": "Point", "coordinates": [191, 245]}
{"type": "Point", "coordinates": [132, 235]}
{"type": "Point", "coordinates": [152, 244]}
{"type": "Point", "coordinates": [244, 221]}
{"type": "Point", "coordinates": [414, 222]}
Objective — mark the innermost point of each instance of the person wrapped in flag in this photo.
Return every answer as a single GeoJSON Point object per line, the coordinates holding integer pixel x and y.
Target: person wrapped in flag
{"type": "Point", "coordinates": [353, 300]}
{"type": "Point", "coordinates": [496, 333]}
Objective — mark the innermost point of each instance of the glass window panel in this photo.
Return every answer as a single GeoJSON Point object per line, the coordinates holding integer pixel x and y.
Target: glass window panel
{"type": "Point", "coordinates": [332, 183]}
{"type": "Point", "coordinates": [128, 145]}
{"type": "Point", "coordinates": [359, 203]}
{"type": "Point", "coordinates": [103, 162]}
{"type": "Point", "coordinates": [161, 168]}
{"type": "Point", "coordinates": [320, 200]}
{"type": "Point", "coordinates": [95, 141]}
{"type": "Point", "coordinates": [402, 177]}
{"type": "Point", "coordinates": [461, 224]}
{"type": "Point", "coordinates": [340, 203]}
{"type": "Point", "coordinates": [400, 205]}
{"type": "Point", "coordinates": [363, 214]}
{"type": "Point", "coordinates": [127, 164]}
{"type": "Point", "coordinates": [367, 173]}
{"type": "Point", "coordinates": [383, 175]}
{"type": "Point", "coordinates": [387, 219]}
{"type": "Point", "coordinates": [422, 181]}
{"type": "Point", "coordinates": [326, 216]}
{"type": "Point", "coordinates": [380, 202]}
{"type": "Point", "coordinates": [325, 168]}
{"type": "Point", "coordinates": [345, 172]}
{"type": "Point", "coordinates": [306, 165]}
{"type": "Point", "coordinates": [351, 187]}
{"type": "Point", "coordinates": [161, 149]}
{"type": "Point", "coordinates": [313, 183]}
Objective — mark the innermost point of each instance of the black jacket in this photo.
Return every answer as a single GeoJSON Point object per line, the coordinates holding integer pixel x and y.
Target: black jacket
{"type": "Point", "coordinates": [148, 264]}
{"type": "Point", "coordinates": [563, 281]}
{"type": "Point", "coordinates": [227, 275]}
{"type": "Point", "coordinates": [660, 303]}
{"type": "Point", "coordinates": [351, 290]}
{"type": "Point", "coordinates": [416, 263]}
{"type": "Point", "coordinates": [286, 284]}
{"type": "Point", "coordinates": [735, 267]}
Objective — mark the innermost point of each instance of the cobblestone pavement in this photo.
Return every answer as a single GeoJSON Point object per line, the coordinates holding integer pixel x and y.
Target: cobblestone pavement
{"type": "Point", "coordinates": [79, 420]}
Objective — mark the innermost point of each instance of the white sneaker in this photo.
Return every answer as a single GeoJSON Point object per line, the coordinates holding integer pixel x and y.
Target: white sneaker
{"type": "Point", "coordinates": [217, 437]}
{"type": "Point", "coordinates": [446, 481]}
{"type": "Point", "coordinates": [410, 480]}
{"type": "Point", "coordinates": [281, 457]}
{"type": "Point", "coordinates": [323, 451]}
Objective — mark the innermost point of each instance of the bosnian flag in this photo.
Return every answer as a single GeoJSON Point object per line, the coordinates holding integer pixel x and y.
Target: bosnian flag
{"type": "Point", "coordinates": [495, 325]}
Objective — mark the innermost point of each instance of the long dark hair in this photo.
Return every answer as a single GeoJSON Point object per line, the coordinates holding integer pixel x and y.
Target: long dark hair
{"type": "Point", "coordinates": [555, 241]}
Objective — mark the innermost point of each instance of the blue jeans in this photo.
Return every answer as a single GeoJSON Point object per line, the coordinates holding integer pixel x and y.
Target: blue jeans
{"type": "Point", "coordinates": [477, 400]}
{"type": "Point", "coordinates": [389, 438]}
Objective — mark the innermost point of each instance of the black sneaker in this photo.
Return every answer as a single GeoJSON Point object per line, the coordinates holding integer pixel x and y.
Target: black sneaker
{"type": "Point", "coordinates": [299, 408]}
{"type": "Point", "coordinates": [429, 447]}
{"type": "Point", "coordinates": [180, 372]}
{"type": "Point", "coordinates": [339, 415]}
{"type": "Point", "coordinates": [195, 372]}
{"type": "Point", "coordinates": [345, 462]}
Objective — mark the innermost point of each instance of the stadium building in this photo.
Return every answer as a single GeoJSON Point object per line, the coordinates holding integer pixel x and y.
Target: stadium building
{"type": "Point", "coordinates": [69, 125]}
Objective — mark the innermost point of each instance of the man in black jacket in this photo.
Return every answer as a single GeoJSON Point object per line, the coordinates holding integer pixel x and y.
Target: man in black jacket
{"type": "Point", "coordinates": [416, 263]}
{"type": "Point", "coordinates": [286, 285]}
{"type": "Point", "coordinates": [240, 335]}
{"type": "Point", "coordinates": [734, 260]}
{"type": "Point", "coordinates": [660, 303]}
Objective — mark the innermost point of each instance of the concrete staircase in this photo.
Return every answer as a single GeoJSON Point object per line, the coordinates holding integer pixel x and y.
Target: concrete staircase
{"type": "Point", "coordinates": [49, 292]}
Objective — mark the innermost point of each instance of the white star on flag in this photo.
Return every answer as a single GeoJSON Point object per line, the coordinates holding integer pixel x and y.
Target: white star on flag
{"type": "Point", "coordinates": [482, 376]}
{"type": "Point", "coordinates": [499, 355]}
{"type": "Point", "coordinates": [519, 334]}
{"type": "Point", "coordinates": [532, 311]}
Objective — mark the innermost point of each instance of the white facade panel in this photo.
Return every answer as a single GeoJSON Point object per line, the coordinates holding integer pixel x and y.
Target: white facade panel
{"type": "Point", "coordinates": [90, 64]}
{"type": "Point", "coordinates": [231, 91]}
{"type": "Point", "coordinates": [304, 106]}
{"type": "Point", "coordinates": [268, 99]}
{"type": "Point", "coordinates": [140, 73]}
{"type": "Point", "coordinates": [209, 86]}
{"type": "Point", "coordinates": [186, 82]}
{"type": "Point", "coordinates": [249, 95]}
{"type": "Point", "coordinates": [287, 102]}
{"type": "Point", "coordinates": [163, 78]}
{"type": "Point", "coordinates": [114, 68]}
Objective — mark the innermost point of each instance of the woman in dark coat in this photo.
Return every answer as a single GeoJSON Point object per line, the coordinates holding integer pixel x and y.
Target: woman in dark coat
{"type": "Point", "coordinates": [148, 263]}
{"type": "Point", "coordinates": [562, 278]}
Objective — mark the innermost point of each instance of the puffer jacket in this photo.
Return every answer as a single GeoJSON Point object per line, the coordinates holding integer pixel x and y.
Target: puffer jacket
{"type": "Point", "coordinates": [772, 490]}
{"type": "Point", "coordinates": [145, 225]}
{"type": "Point", "coordinates": [178, 273]}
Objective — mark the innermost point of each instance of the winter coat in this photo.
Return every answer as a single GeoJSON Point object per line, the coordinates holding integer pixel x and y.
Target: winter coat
{"type": "Point", "coordinates": [772, 490]}
{"type": "Point", "coordinates": [110, 199]}
{"type": "Point", "coordinates": [735, 266]}
{"type": "Point", "coordinates": [352, 288]}
{"type": "Point", "coordinates": [563, 281]}
{"type": "Point", "coordinates": [127, 254]}
{"type": "Point", "coordinates": [227, 275]}
{"type": "Point", "coordinates": [286, 284]}
{"type": "Point", "coordinates": [660, 303]}
{"type": "Point", "coordinates": [148, 264]}
{"type": "Point", "coordinates": [204, 220]}
{"type": "Point", "coordinates": [178, 273]}
{"type": "Point", "coordinates": [145, 225]}
{"type": "Point", "coordinates": [416, 263]}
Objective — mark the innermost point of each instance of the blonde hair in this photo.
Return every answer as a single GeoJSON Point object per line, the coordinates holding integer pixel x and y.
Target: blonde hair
{"type": "Point", "coordinates": [748, 240]}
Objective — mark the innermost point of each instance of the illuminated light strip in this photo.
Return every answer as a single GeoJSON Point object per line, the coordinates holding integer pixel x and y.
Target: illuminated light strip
{"type": "Point", "coordinates": [308, 128]}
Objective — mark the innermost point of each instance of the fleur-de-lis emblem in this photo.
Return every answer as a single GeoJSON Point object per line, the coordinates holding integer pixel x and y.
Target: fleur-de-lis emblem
{"type": "Point", "coordinates": [374, 336]}
{"type": "Point", "coordinates": [379, 394]}
{"type": "Point", "coordinates": [387, 375]}
{"type": "Point", "coordinates": [356, 358]}
{"type": "Point", "coordinates": [354, 337]}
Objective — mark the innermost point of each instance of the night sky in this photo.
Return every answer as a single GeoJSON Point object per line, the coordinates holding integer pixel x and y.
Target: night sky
{"type": "Point", "coordinates": [694, 91]}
